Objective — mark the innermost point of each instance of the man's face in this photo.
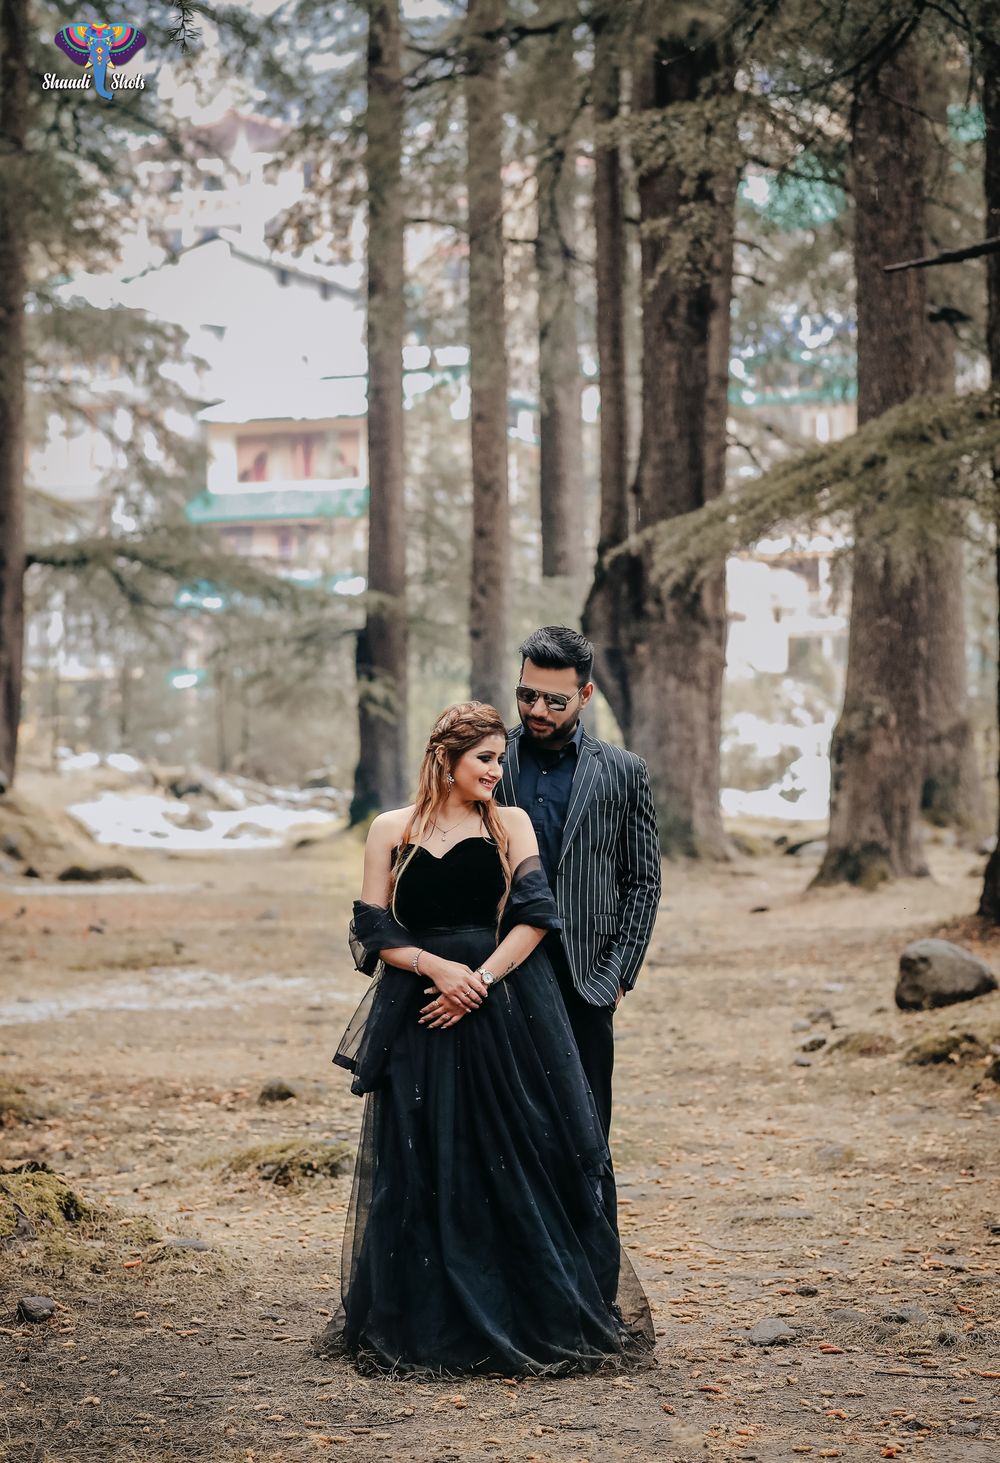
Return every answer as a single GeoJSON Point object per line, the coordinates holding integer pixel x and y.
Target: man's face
{"type": "Point", "coordinates": [543, 722]}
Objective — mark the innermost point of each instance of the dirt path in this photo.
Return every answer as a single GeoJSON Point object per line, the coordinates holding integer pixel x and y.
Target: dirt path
{"type": "Point", "coordinates": [828, 1196]}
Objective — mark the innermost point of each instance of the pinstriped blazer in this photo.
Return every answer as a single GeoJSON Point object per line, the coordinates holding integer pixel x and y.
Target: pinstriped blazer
{"type": "Point", "coordinates": [608, 878]}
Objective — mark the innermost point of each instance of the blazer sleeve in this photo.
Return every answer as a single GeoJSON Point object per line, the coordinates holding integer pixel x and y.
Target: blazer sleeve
{"type": "Point", "coordinates": [640, 881]}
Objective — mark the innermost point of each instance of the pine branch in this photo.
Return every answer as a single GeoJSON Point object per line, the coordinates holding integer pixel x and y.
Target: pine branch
{"type": "Point", "coordinates": [919, 473]}
{"type": "Point", "coordinates": [184, 33]}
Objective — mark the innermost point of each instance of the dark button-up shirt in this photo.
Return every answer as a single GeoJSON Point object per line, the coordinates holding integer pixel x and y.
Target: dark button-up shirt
{"type": "Point", "coordinates": [545, 782]}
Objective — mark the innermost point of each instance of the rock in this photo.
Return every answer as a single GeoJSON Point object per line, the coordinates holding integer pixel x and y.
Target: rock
{"type": "Point", "coordinates": [845, 1316]}
{"type": "Point", "coordinates": [992, 1073]}
{"type": "Point", "coordinates": [807, 1290]}
{"type": "Point", "coordinates": [801, 1062]}
{"type": "Point", "coordinates": [814, 1044]}
{"type": "Point", "coordinates": [97, 874]}
{"type": "Point", "coordinates": [276, 1092]}
{"type": "Point", "coordinates": [185, 1242]}
{"type": "Point", "coordinates": [965, 1427]}
{"type": "Point", "coordinates": [835, 1155]}
{"type": "Point", "coordinates": [905, 1315]}
{"type": "Point", "coordinates": [988, 844]}
{"type": "Point", "coordinates": [193, 820]}
{"type": "Point", "coordinates": [936, 973]}
{"type": "Point", "coordinates": [771, 1332]}
{"type": "Point", "coordinates": [956, 1047]}
{"type": "Point", "coordinates": [807, 848]}
{"type": "Point", "coordinates": [821, 1013]}
{"type": "Point", "coordinates": [798, 1026]}
{"type": "Point", "coordinates": [35, 1308]}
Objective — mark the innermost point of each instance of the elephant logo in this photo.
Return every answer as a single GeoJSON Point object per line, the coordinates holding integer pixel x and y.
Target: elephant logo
{"type": "Point", "coordinates": [102, 47]}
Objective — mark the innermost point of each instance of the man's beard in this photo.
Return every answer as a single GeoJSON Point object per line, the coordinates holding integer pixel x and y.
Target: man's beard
{"type": "Point", "coordinates": [551, 731]}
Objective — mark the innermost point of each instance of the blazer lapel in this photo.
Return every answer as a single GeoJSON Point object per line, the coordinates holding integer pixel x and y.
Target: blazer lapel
{"type": "Point", "coordinates": [586, 779]}
{"type": "Point", "coordinates": [508, 788]}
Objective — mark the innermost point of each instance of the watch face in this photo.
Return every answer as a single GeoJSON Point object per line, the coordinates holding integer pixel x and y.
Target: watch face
{"type": "Point", "coordinates": [488, 979]}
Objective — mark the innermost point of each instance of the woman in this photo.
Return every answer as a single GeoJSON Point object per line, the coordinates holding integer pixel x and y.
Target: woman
{"type": "Point", "coordinates": [476, 1238]}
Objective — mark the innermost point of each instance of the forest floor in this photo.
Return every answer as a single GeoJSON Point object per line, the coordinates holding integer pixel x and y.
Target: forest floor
{"type": "Point", "coordinates": [141, 1021]}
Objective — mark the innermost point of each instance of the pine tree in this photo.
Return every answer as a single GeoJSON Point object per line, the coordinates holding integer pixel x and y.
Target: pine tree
{"type": "Point", "coordinates": [15, 187]}
{"type": "Point", "coordinates": [381, 776]}
{"type": "Point", "coordinates": [877, 755]}
{"type": "Point", "coordinates": [661, 655]}
{"type": "Point", "coordinates": [489, 608]}
{"type": "Point", "coordinates": [989, 53]}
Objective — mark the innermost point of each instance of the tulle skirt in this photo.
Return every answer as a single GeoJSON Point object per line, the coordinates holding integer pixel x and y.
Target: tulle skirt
{"type": "Point", "coordinates": [476, 1238]}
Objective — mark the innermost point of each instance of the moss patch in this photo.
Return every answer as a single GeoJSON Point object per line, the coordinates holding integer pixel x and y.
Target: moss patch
{"type": "Point", "coordinates": [17, 1105]}
{"type": "Point", "coordinates": [956, 1047]}
{"type": "Point", "coordinates": [863, 1044]}
{"type": "Point", "coordinates": [290, 1162]}
{"type": "Point", "coordinates": [38, 1205]}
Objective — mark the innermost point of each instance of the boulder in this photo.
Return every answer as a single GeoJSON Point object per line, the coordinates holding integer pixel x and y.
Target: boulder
{"type": "Point", "coordinates": [35, 1308]}
{"type": "Point", "coordinates": [937, 973]}
{"type": "Point", "coordinates": [771, 1332]}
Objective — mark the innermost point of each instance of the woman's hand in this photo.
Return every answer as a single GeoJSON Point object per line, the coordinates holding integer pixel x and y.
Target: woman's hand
{"type": "Point", "coordinates": [442, 1012]}
{"type": "Point", "coordinates": [459, 983]}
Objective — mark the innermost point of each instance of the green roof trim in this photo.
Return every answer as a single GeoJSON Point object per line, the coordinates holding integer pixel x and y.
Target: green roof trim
{"type": "Point", "coordinates": [286, 504]}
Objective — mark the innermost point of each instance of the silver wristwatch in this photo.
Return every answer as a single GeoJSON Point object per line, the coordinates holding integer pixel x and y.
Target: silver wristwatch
{"type": "Point", "coordinates": [488, 977]}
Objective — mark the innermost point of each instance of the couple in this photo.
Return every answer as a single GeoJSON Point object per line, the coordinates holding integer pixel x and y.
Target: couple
{"type": "Point", "coordinates": [482, 1231]}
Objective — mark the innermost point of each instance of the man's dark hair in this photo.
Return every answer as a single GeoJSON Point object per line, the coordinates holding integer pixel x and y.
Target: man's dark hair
{"type": "Point", "coordinates": [555, 647]}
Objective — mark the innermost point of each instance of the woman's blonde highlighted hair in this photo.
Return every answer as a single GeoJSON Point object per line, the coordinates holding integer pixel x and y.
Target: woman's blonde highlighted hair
{"type": "Point", "coordinates": [456, 731]}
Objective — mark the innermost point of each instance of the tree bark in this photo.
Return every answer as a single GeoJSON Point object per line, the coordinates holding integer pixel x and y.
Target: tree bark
{"type": "Point", "coordinates": [14, 77]}
{"type": "Point", "coordinates": [989, 902]}
{"type": "Point", "coordinates": [661, 656]}
{"type": "Point", "coordinates": [489, 611]}
{"type": "Point", "coordinates": [560, 428]}
{"type": "Point", "coordinates": [380, 780]}
{"type": "Point", "coordinates": [878, 751]}
{"type": "Point", "coordinates": [952, 793]}
{"type": "Point", "coordinates": [612, 305]}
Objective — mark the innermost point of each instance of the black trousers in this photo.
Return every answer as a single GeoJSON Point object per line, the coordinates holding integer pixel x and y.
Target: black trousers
{"type": "Point", "coordinates": [593, 1027]}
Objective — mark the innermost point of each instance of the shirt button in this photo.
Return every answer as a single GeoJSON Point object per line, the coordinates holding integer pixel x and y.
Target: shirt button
{"type": "Point", "coordinates": [541, 800]}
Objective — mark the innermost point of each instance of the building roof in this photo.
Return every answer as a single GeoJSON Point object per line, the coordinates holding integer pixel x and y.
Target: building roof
{"type": "Point", "coordinates": [348, 499]}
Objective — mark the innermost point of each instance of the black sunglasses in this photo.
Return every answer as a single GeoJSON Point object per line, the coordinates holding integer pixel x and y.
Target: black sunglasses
{"type": "Point", "coordinates": [554, 700]}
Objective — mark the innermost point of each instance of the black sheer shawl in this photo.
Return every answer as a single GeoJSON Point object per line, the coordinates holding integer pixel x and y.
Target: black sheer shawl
{"type": "Point", "coordinates": [364, 1047]}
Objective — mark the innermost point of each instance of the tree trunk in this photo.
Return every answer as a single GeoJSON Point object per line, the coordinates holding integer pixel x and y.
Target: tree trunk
{"type": "Point", "coordinates": [661, 656]}
{"type": "Point", "coordinates": [952, 794]}
{"type": "Point", "coordinates": [380, 780]}
{"type": "Point", "coordinates": [560, 429]}
{"type": "Point", "coordinates": [989, 903]}
{"type": "Point", "coordinates": [878, 753]}
{"type": "Point", "coordinates": [612, 304]}
{"type": "Point", "coordinates": [491, 671]}
{"type": "Point", "coordinates": [14, 183]}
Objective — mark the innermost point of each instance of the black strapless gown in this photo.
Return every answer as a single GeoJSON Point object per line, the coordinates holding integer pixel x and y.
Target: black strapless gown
{"type": "Point", "coordinates": [476, 1239]}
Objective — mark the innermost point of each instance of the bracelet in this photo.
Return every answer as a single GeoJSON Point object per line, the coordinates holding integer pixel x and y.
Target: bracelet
{"type": "Point", "coordinates": [415, 962]}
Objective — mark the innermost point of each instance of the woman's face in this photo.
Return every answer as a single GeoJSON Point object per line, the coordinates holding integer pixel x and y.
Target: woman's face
{"type": "Point", "coordinates": [478, 770]}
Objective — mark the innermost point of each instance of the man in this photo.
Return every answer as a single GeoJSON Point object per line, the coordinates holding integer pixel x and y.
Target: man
{"type": "Point", "coordinates": [592, 810]}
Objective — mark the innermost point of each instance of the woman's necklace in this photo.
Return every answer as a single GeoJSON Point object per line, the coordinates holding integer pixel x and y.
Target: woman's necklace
{"type": "Point", "coordinates": [445, 831]}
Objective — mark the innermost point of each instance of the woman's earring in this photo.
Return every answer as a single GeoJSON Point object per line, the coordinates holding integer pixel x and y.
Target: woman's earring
{"type": "Point", "coordinates": [451, 780]}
